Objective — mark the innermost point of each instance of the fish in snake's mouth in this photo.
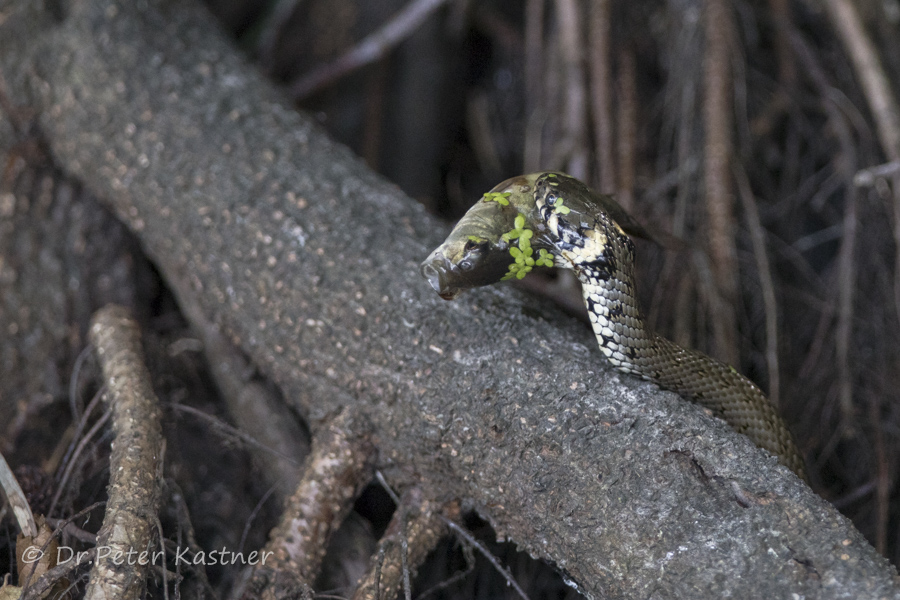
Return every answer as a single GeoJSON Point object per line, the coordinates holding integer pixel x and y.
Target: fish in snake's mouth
{"type": "Point", "coordinates": [476, 253]}
{"type": "Point", "coordinates": [438, 270]}
{"type": "Point", "coordinates": [452, 269]}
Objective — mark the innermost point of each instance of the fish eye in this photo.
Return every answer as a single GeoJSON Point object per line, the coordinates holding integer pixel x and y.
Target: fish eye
{"type": "Point", "coordinates": [472, 245]}
{"type": "Point", "coordinates": [466, 265]}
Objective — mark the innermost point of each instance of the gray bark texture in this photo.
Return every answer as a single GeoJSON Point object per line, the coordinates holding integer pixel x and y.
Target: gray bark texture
{"type": "Point", "coordinates": [309, 262]}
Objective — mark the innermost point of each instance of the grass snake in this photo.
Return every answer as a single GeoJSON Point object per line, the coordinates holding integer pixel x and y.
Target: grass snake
{"type": "Point", "coordinates": [552, 219]}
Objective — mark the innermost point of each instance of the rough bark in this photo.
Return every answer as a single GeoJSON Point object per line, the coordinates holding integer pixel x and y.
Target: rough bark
{"type": "Point", "coordinates": [61, 257]}
{"type": "Point", "coordinates": [308, 261]}
{"type": "Point", "coordinates": [135, 481]}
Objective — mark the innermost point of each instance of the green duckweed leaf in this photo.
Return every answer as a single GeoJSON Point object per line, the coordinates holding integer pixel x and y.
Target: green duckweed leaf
{"type": "Point", "coordinates": [498, 197]}
{"type": "Point", "coordinates": [545, 259]}
{"type": "Point", "coordinates": [521, 251]}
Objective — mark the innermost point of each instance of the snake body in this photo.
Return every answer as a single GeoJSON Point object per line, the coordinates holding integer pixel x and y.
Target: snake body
{"type": "Point", "coordinates": [560, 217]}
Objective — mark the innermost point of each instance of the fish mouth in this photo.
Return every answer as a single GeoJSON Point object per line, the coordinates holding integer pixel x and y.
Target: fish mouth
{"type": "Point", "coordinates": [438, 271]}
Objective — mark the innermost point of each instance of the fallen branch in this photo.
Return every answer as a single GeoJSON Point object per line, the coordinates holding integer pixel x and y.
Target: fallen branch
{"type": "Point", "coordinates": [308, 262]}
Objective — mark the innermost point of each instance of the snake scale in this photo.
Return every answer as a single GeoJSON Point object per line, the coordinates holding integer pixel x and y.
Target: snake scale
{"type": "Point", "coordinates": [552, 219]}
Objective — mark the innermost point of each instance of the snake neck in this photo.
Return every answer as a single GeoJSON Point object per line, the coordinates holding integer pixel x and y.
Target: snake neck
{"type": "Point", "coordinates": [602, 257]}
{"type": "Point", "coordinates": [611, 301]}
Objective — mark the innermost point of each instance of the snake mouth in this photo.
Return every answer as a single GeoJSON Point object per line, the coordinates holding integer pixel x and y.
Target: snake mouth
{"type": "Point", "coordinates": [437, 270]}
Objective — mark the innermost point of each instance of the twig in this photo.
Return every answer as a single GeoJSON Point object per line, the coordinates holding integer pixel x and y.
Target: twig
{"type": "Point", "coordinates": [846, 284]}
{"type": "Point", "coordinates": [883, 476]}
{"type": "Point", "coordinates": [844, 164]}
{"type": "Point", "coordinates": [758, 238]}
{"type": "Point", "coordinates": [271, 29]}
{"type": "Point", "coordinates": [134, 487]}
{"type": "Point", "coordinates": [416, 527]}
{"type": "Point", "coordinates": [82, 444]}
{"type": "Point", "coordinates": [534, 97]}
{"type": "Point", "coordinates": [73, 381]}
{"type": "Point", "coordinates": [372, 48]}
{"type": "Point", "coordinates": [572, 150]}
{"type": "Point", "coordinates": [861, 491]}
{"type": "Point", "coordinates": [717, 174]}
{"type": "Point", "coordinates": [787, 68]}
{"type": "Point", "coordinates": [233, 433]}
{"type": "Point", "coordinates": [76, 436]}
{"type": "Point", "coordinates": [185, 531]}
{"type": "Point", "coordinates": [627, 119]}
{"type": "Point", "coordinates": [467, 537]}
{"type": "Point", "coordinates": [16, 498]}
{"type": "Point", "coordinates": [470, 566]}
{"type": "Point", "coordinates": [252, 516]}
{"type": "Point", "coordinates": [868, 177]}
{"type": "Point", "coordinates": [885, 109]}
{"type": "Point", "coordinates": [684, 61]}
{"type": "Point", "coordinates": [601, 93]}
{"type": "Point", "coordinates": [875, 83]}
{"type": "Point", "coordinates": [52, 576]}
{"type": "Point", "coordinates": [338, 468]}
{"type": "Point", "coordinates": [67, 527]}
{"type": "Point", "coordinates": [379, 476]}
{"type": "Point", "coordinates": [162, 546]}
{"type": "Point", "coordinates": [64, 525]}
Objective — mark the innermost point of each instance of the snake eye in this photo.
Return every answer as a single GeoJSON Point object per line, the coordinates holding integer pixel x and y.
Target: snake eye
{"type": "Point", "coordinates": [472, 245]}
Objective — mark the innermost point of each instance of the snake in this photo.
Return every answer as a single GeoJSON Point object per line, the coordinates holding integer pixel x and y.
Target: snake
{"type": "Point", "coordinates": [552, 219]}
